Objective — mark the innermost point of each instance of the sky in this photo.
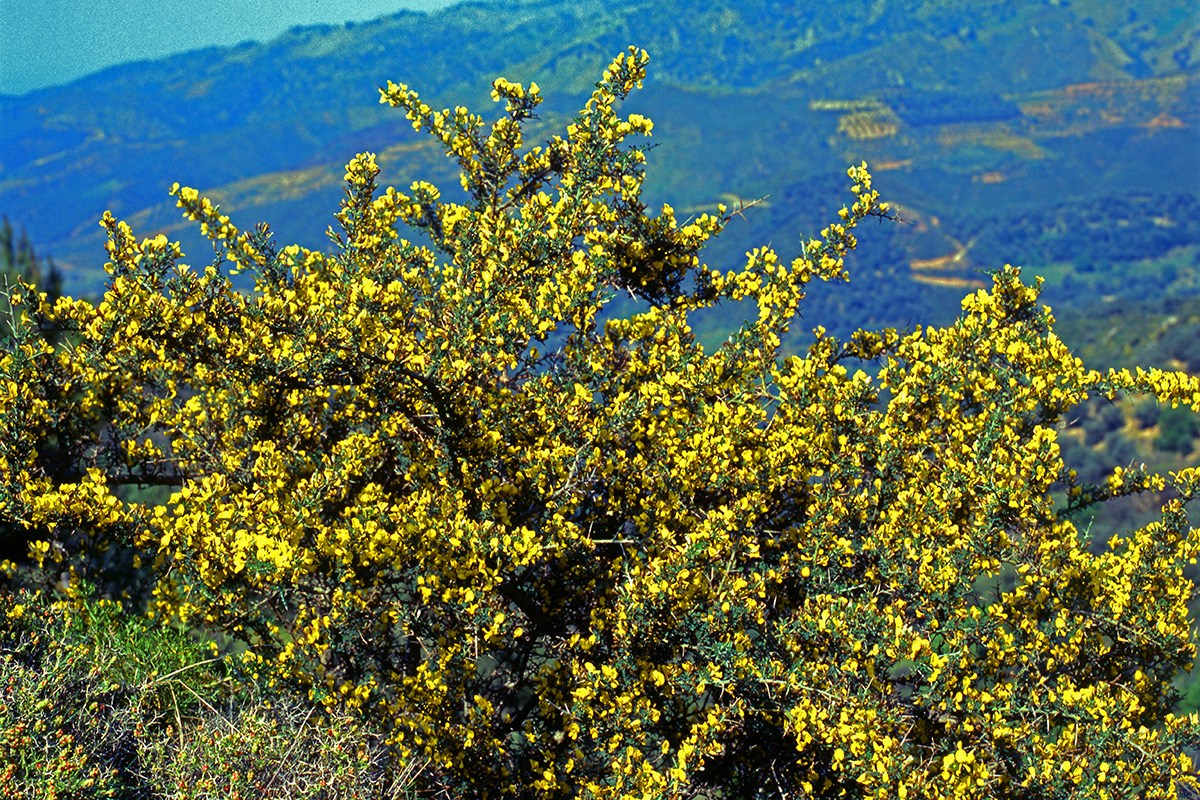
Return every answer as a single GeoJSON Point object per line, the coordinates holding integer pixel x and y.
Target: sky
{"type": "Point", "coordinates": [49, 42]}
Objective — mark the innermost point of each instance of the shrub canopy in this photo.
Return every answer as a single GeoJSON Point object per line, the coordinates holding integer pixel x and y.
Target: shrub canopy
{"type": "Point", "coordinates": [561, 551]}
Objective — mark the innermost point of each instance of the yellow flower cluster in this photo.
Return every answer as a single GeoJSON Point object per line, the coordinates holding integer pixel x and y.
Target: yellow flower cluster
{"type": "Point", "coordinates": [564, 553]}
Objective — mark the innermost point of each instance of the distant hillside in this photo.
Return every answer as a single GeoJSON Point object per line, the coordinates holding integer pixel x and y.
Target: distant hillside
{"type": "Point", "coordinates": [1000, 118]}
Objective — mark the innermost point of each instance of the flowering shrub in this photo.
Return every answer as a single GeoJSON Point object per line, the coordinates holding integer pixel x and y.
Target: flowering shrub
{"type": "Point", "coordinates": [559, 551]}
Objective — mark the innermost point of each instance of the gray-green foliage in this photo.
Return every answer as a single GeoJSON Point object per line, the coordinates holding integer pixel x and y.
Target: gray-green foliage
{"type": "Point", "coordinates": [1178, 428]}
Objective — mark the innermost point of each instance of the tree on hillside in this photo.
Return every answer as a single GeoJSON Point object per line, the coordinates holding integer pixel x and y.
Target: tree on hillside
{"type": "Point", "coordinates": [564, 552]}
{"type": "Point", "coordinates": [19, 262]}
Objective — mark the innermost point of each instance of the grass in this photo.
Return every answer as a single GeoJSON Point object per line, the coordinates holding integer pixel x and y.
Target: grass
{"type": "Point", "coordinates": [95, 705]}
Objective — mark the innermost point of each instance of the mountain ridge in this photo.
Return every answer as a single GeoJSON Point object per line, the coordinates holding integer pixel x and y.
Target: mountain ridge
{"type": "Point", "coordinates": [735, 90]}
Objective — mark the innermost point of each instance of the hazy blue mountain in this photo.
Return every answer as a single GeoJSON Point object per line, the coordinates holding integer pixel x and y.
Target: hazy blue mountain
{"type": "Point", "coordinates": [1060, 135]}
